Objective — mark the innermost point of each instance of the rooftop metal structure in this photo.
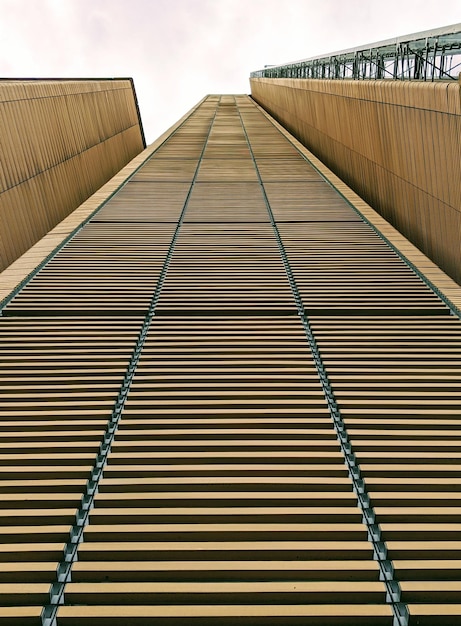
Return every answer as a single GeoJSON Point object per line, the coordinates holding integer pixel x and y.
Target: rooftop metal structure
{"type": "Point", "coordinates": [428, 56]}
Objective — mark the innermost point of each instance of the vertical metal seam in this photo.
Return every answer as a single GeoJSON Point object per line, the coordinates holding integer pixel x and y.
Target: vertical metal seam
{"type": "Point", "coordinates": [393, 595]}
{"type": "Point", "coordinates": [49, 613]}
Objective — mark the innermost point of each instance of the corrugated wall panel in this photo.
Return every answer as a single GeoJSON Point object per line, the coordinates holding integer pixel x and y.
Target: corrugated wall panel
{"type": "Point", "coordinates": [61, 141]}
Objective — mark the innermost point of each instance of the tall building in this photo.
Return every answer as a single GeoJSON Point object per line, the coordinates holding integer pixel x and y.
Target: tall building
{"type": "Point", "coordinates": [230, 397]}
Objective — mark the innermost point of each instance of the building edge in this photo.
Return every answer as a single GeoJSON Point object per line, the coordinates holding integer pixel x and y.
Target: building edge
{"type": "Point", "coordinates": [136, 103]}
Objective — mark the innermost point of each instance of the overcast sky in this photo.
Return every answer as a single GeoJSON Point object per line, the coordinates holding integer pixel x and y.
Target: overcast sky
{"type": "Point", "coordinates": [179, 50]}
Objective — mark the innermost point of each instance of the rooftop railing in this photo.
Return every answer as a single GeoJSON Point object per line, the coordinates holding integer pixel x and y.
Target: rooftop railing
{"type": "Point", "coordinates": [428, 56]}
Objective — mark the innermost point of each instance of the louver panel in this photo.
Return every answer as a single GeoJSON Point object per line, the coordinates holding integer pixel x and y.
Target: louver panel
{"type": "Point", "coordinates": [350, 268]}
{"type": "Point", "coordinates": [308, 201]}
{"type": "Point", "coordinates": [169, 170]}
{"type": "Point", "coordinates": [397, 382]}
{"type": "Point", "coordinates": [145, 202]}
{"type": "Point", "coordinates": [226, 469]}
{"type": "Point", "coordinates": [59, 380]}
{"type": "Point", "coordinates": [106, 268]}
{"type": "Point", "coordinates": [231, 202]}
{"type": "Point", "coordinates": [226, 267]}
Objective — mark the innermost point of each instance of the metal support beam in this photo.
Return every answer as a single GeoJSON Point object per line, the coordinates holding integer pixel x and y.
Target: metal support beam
{"type": "Point", "coordinates": [431, 55]}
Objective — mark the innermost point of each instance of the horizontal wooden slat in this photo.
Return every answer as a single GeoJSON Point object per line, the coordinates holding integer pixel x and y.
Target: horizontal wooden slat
{"type": "Point", "coordinates": [313, 615]}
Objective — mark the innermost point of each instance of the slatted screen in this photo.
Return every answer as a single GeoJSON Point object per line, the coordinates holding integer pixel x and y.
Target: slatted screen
{"type": "Point", "coordinates": [59, 379]}
{"type": "Point", "coordinates": [261, 395]}
{"type": "Point", "coordinates": [397, 381]}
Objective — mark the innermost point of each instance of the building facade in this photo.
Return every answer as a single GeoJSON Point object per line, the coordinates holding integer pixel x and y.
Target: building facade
{"type": "Point", "coordinates": [231, 397]}
{"type": "Point", "coordinates": [61, 141]}
{"type": "Point", "coordinates": [386, 118]}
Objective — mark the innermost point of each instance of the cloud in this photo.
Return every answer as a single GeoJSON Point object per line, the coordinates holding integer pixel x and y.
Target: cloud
{"type": "Point", "coordinates": [179, 50]}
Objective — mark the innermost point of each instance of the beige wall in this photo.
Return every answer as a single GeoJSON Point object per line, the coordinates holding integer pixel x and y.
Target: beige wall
{"type": "Point", "coordinates": [397, 144]}
{"type": "Point", "coordinates": [60, 141]}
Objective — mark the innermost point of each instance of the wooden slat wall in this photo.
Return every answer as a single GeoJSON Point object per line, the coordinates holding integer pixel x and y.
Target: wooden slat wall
{"type": "Point", "coordinates": [226, 498]}
{"type": "Point", "coordinates": [61, 140]}
{"type": "Point", "coordinates": [397, 382]}
{"type": "Point", "coordinates": [225, 480]}
{"type": "Point", "coordinates": [59, 379]}
{"type": "Point", "coordinates": [226, 485]}
{"type": "Point", "coordinates": [395, 143]}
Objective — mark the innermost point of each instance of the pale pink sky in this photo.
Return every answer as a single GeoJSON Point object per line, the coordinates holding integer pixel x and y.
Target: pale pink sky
{"type": "Point", "coordinates": [179, 50]}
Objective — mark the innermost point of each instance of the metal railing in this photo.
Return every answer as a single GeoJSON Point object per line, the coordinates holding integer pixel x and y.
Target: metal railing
{"type": "Point", "coordinates": [428, 56]}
